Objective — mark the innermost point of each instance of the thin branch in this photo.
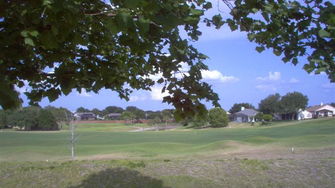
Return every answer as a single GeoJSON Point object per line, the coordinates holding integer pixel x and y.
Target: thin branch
{"type": "Point", "coordinates": [107, 13]}
{"type": "Point", "coordinates": [229, 5]}
{"type": "Point", "coordinates": [112, 14]}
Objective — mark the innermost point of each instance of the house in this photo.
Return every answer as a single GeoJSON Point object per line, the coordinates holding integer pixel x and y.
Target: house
{"type": "Point", "coordinates": [304, 114]}
{"type": "Point", "coordinates": [114, 116]}
{"type": "Point", "coordinates": [321, 110]}
{"type": "Point", "coordinates": [85, 116]}
{"type": "Point", "coordinates": [245, 115]}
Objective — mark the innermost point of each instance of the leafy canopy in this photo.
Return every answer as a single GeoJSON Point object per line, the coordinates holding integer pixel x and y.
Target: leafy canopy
{"type": "Point", "coordinates": [291, 28]}
{"type": "Point", "coordinates": [82, 109]}
{"type": "Point", "coordinates": [32, 118]}
{"type": "Point", "coordinates": [270, 104]}
{"type": "Point", "coordinates": [127, 115]}
{"type": "Point", "coordinates": [217, 117]}
{"type": "Point", "coordinates": [238, 106]}
{"type": "Point", "coordinates": [292, 102]}
{"type": "Point", "coordinates": [57, 46]}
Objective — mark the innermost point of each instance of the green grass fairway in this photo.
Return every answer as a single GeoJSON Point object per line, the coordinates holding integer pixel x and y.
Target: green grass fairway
{"type": "Point", "coordinates": [111, 156]}
{"type": "Point", "coordinates": [116, 142]}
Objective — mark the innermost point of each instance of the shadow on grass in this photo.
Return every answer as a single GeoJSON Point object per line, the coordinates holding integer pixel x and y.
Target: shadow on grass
{"type": "Point", "coordinates": [119, 177]}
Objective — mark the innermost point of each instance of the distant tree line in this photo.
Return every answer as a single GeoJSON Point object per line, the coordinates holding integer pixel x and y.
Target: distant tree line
{"type": "Point", "coordinates": [132, 113]}
{"type": "Point", "coordinates": [286, 106]}
{"type": "Point", "coordinates": [52, 118]}
{"type": "Point", "coordinates": [35, 118]}
{"type": "Point", "coordinates": [216, 117]}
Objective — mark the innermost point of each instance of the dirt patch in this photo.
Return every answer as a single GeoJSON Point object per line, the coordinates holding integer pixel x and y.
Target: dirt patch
{"type": "Point", "coordinates": [110, 121]}
{"type": "Point", "coordinates": [103, 157]}
{"type": "Point", "coordinates": [155, 128]}
{"type": "Point", "coordinates": [268, 152]}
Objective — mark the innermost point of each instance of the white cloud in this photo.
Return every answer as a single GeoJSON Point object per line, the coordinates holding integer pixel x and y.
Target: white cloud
{"type": "Point", "coordinates": [135, 98]}
{"type": "Point", "coordinates": [266, 87]}
{"type": "Point", "coordinates": [216, 75]}
{"type": "Point", "coordinates": [155, 77]}
{"type": "Point", "coordinates": [272, 76]}
{"type": "Point", "coordinates": [271, 82]}
{"type": "Point", "coordinates": [206, 74]}
{"type": "Point", "coordinates": [84, 93]}
{"type": "Point", "coordinates": [293, 81]}
{"type": "Point", "coordinates": [156, 93]}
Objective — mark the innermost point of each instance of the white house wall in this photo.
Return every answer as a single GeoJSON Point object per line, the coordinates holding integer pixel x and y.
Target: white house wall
{"type": "Point", "coordinates": [327, 107]}
{"type": "Point", "coordinates": [305, 115]}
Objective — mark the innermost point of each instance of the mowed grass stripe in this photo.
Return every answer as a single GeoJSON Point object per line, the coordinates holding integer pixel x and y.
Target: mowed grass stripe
{"type": "Point", "coordinates": [312, 133]}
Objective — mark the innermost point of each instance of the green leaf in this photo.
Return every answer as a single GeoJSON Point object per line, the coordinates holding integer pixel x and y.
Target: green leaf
{"type": "Point", "coordinates": [208, 5]}
{"type": "Point", "coordinates": [131, 3]}
{"type": "Point", "coordinates": [24, 33]}
{"type": "Point", "coordinates": [123, 19]}
{"type": "Point", "coordinates": [232, 25]}
{"type": "Point", "coordinates": [277, 52]}
{"type": "Point", "coordinates": [319, 70]}
{"type": "Point", "coordinates": [251, 36]}
{"type": "Point", "coordinates": [265, 16]}
{"type": "Point", "coordinates": [197, 12]}
{"type": "Point", "coordinates": [20, 84]}
{"type": "Point", "coordinates": [53, 94]}
{"type": "Point", "coordinates": [295, 61]}
{"type": "Point", "coordinates": [48, 40]}
{"type": "Point", "coordinates": [9, 97]}
{"type": "Point", "coordinates": [144, 25]}
{"type": "Point", "coordinates": [217, 21]}
{"type": "Point", "coordinates": [29, 41]}
{"type": "Point", "coordinates": [33, 33]}
{"type": "Point", "coordinates": [46, 2]}
{"type": "Point", "coordinates": [260, 49]}
{"type": "Point", "coordinates": [254, 10]}
{"type": "Point", "coordinates": [324, 33]}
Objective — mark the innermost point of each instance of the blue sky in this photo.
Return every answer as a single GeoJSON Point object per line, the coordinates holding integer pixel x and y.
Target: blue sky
{"type": "Point", "coordinates": [237, 72]}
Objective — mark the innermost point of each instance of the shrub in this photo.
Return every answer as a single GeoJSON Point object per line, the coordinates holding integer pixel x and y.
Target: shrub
{"type": "Point", "coordinates": [3, 119]}
{"type": "Point", "coordinates": [217, 117]}
{"type": "Point", "coordinates": [267, 117]}
{"type": "Point", "coordinates": [155, 121]}
{"type": "Point", "coordinates": [25, 118]}
{"type": "Point", "coordinates": [32, 118]}
{"type": "Point", "coordinates": [196, 121]}
{"type": "Point", "coordinates": [259, 117]}
{"type": "Point", "coordinates": [46, 121]}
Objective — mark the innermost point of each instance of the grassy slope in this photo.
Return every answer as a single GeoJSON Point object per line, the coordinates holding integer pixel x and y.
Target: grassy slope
{"type": "Point", "coordinates": [158, 169]}
{"type": "Point", "coordinates": [54, 145]}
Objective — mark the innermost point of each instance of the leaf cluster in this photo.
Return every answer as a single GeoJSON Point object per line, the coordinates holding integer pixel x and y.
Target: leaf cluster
{"type": "Point", "coordinates": [61, 46]}
{"type": "Point", "coordinates": [237, 107]}
{"type": "Point", "coordinates": [291, 29]}
{"type": "Point", "coordinates": [217, 117]}
{"type": "Point", "coordinates": [289, 103]}
{"type": "Point", "coordinates": [31, 118]}
{"type": "Point", "coordinates": [270, 104]}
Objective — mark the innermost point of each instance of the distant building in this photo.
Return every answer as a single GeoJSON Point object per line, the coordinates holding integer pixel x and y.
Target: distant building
{"type": "Point", "coordinates": [304, 114]}
{"type": "Point", "coordinates": [245, 115]}
{"type": "Point", "coordinates": [316, 111]}
{"type": "Point", "coordinates": [85, 116]}
{"type": "Point", "coordinates": [114, 116]}
{"type": "Point", "coordinates": [321, 110]}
